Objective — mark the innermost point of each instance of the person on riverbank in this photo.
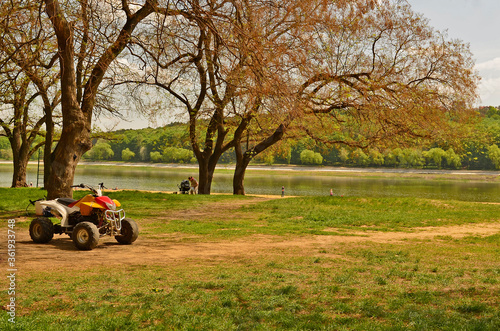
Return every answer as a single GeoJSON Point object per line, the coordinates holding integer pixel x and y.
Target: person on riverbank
{"type": "Point", "coordinates": [194, 185]}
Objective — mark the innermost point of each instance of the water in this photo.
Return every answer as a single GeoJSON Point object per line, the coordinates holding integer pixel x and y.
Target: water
{"type": "Point", "coordinates": [296, 183]}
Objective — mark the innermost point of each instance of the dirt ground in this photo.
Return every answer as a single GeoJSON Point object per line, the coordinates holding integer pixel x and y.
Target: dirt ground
{"type": "Point", "coordinates": [171, 249]}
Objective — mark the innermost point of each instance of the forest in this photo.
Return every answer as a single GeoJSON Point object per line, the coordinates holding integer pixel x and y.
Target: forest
{"type": "Point", "coordinates": [170, 144]}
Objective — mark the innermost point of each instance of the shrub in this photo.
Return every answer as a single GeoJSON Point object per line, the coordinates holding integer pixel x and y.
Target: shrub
{"type": "Point", "coordinates": [376, 157]}
{"type": "Point", "coordinates": [360, 158]}
{"type": "Point", "coordinates": [452, 160]}
{"type": "Point", "coordinates": [310, 157]}
{"type": "Point", "coordinates": [127, 154]}
{"type": "Point", "coordinates": [176, 155]}
{"type": "Point", "coordinates": [101, 151]}
{"type": "Point", "coordinates": [435, 156]}
{"type": "Point", "coordinates": [155, 156]}
{"type": "Point", "coordinates": [494, 155]}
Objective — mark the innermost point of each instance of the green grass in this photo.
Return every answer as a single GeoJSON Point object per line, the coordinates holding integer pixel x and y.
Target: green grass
{"type": "Point", "coordinates": [350, 283]}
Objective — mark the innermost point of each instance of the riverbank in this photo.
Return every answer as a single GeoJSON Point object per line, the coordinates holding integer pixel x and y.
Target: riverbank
{"type": "Point", "coordinates": [462, 185]}
{"type": "Point", "coordinates": [482, 175]}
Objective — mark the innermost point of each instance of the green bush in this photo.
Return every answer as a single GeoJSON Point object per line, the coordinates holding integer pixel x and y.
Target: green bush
{"type": "Point", "coordinates": [176, 155]}
{"type": "Point", "coordinates": [494, 155]}
{"type": "Point", "coordinates": [127, 154]}
{"type": "Point", "coordinates": [452, 159]}
{"type": "Point", "coordinates": [101, 151]}
{"type": "Point", "coordinates": [360, 158]}
{"type": "Point", "coordinates": [155, 156]}
{"type": "Point", "coordinates": [376, 157]}
{"type": "Point", "coordinates": [310, 157]}
{"type": "Point", "coordinates": [435, 156]}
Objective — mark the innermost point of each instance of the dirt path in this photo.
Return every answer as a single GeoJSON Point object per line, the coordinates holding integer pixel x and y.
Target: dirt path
{"type": "Point", "coordinates": [173, 248]}
{"type": "Point", "coordinates": [60, 252]}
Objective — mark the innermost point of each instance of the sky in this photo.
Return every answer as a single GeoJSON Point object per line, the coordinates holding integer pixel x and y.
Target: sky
{"type": "Point", "coordinates": [474, 22]}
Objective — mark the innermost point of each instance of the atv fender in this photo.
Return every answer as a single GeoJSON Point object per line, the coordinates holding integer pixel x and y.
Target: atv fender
{"type": "Point", "coordinates": [57, 209]}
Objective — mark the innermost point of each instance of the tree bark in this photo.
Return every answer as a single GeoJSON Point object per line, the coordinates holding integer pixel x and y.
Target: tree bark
{"type": "Point", "coordinates": [207, 163]}
{"type": "Point", "coordinates": [47, 150]}
{"type": "Point", "coordinates": [19, 177]}
{"type": "Point", "coordinates": [20, 159]}
{"type": "Point", "coordinates": [243, 159]}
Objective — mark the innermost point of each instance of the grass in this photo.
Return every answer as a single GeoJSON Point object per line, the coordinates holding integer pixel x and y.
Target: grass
{"type": "Point", "coordinates": [341, 280]}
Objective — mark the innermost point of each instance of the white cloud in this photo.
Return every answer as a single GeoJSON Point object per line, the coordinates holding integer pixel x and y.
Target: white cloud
{"type": "Point", "coordinates": [489, 87]}
{"type": "Point", "coordinates": [489, 65]}
{"type": "Point", "coordinates": [489, 90]}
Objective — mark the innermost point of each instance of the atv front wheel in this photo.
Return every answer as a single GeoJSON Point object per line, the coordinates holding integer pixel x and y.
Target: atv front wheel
{"type": "Point", "coordinates": [129, 232]}
{"type": "Point", "coordinates": [41, 230]}
{"type": "Point", "coordinates": [85, 236]}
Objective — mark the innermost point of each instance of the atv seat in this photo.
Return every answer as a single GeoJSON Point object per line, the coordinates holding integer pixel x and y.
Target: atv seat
{"type": "Point", "coordinates": [66, 201]}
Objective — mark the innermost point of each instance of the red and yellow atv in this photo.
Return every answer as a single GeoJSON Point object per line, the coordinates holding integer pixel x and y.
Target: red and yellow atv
{"type": "Point", "coordinates": [84, 220]}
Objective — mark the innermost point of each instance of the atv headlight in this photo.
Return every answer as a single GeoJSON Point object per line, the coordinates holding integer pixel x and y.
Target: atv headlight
{"type": "Point", "coordinates": [111, 205]}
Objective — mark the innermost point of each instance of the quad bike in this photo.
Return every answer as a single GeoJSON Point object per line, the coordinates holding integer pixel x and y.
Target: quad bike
{"type": "Point", "coordinates": [84, 220]}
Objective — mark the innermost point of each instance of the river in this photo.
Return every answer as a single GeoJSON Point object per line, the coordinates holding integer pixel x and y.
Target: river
{"type": "Point", "coordinates": [475, 186]}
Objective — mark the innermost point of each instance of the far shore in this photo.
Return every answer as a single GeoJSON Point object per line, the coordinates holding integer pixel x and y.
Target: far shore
{"type": "Point", "coordinates": [327, 170]}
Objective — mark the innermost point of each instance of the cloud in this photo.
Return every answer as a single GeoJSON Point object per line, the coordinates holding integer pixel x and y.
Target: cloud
{"type": "Point", "coordinates": [489, 65]}
{"type": "Point", "coordinates": [489, 90]}
{"type": "Point", "coordinates": [489, 87]}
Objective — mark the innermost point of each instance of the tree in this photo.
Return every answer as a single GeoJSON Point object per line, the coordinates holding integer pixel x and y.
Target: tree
{"type": "Point", "coordinates": [155, 156]}
{"type": "Point", "coordinates": [436, 155]}
{"type": "Point", "coordinates": [311, 157]}
{"type": "Point", "coordinates": [27, 76]}
{"type": "Point", "coordinates": [101, 151]}
{"type": "Point", "coordinates": [127, 154]}
{"type": "Point", "coordinates": [452, 159]}
{"type": "Point", "coordinates": [378, 74]}
{"type": "Point", "coordinates": [18, 126]}
{"type": "Point", "coordinates": [376, 157]}
{"type": "Point", "coordinates": [175, 154]}
{"type": "Point", "coordinates": [494, 155]}
{"type": "Point", "coordinates": [366, 73]}
{"type": "Point", "coordinates": [220, 72]}
{"type": "Point", "coordinates": [86, 51]}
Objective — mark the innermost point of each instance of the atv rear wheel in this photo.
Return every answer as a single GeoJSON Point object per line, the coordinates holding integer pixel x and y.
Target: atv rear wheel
{"type": "Point", "coordinates": [85, 236]}
{"type": "Point", "coordinates": [129, 232]}
{"type": "Point", "coordinates": [41, 230]}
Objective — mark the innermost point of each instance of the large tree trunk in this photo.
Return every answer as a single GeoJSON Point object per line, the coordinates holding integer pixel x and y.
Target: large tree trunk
{"type": "Point", "coordinates": [20, 165]}
{"type": "Point", "coordinates": [243, 159]}
{"type": "Point", "coordinates": [19, 177]}
{"type": "Point", "coordinates": [204, 180]}
{"type": "Point", "coordinates": [20, 156]}
{"type": "Point", "coordinates": [206, 171]}
{"type": "Point", "coordinates": [74, 142]}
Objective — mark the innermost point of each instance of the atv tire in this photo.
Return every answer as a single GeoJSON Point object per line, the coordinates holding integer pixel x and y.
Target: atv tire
{"type": "Point", "coordinates": [129, 232]}
{"type": "Point", "coordinates": [85, 236]}
{"type": "Point", "coordinates": [41, 230]}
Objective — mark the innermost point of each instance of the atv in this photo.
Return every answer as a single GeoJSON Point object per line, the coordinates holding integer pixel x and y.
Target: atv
{"type": "Point", "coordinates": [84, 220]}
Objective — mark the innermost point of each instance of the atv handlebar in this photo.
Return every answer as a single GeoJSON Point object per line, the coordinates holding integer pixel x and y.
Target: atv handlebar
{"type": "Point", "coordinates": [97, 191]}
